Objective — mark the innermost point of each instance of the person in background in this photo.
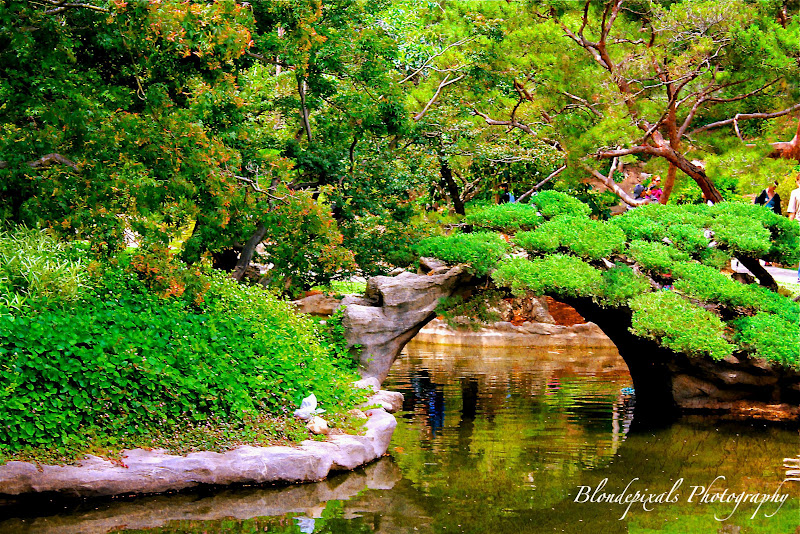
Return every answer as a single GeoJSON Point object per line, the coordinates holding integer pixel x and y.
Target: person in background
{"type": "Point", "coordinates": [506, 196]}
{"type": "Point", "coordinates": [655, 191]}
{"type": "Point", "coordinates": [769, 198]}
{"type": "Point", "coordinates": [638, 191]}
{"type": "Point", "coordinates": [794, 207]}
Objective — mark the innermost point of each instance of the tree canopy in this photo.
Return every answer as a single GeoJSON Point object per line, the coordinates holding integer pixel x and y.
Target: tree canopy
{"type": "Point", "coordinates": [214, 127]}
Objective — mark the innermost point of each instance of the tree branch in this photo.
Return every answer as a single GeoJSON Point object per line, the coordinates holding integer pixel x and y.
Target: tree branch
{"type": "Point", "coordinates": [47, 160]}
{"type": "Point", "coordinates": [444, 83]}
{"type": "Point", "coordinates": [745, 116]}
{"type": "Point", "coordinates": [513, 123]}
{"type": "Point", "coordinates": [613, 186]}
{"type": "Point", "coordinates": [445, 49]}
{"type": "Point", "coordinates": [540, 184]}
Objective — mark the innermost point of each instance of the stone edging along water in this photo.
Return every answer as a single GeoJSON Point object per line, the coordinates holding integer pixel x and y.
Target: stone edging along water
{"type": "Point", "coordinates": [154, 471]}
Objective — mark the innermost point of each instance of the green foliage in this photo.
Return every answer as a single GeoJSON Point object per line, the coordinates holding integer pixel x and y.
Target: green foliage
{"type": "Point", "coordinates": [126, 362]}
{"type": "Point", "coordinates": [508, 218]}
{"type": "Point", "coordinates": [332, 336]}
{"type": "Point", "coordinates": [481, 250]}
{"type": "Point", "coordinates": [471, 313]}
{"type": "Point", "coordinates": [714, 257]}
{"type": "Point", "coordinates": [741, 235]}
{"type": "Point", "coordinates": [770, 337]}
{"type": "Point", "coordinates": [687, 237]}
{"type": "Point", "coordinates": [554, 203]}
{"type": "Point", "coordinates": [303, 244]}
{"type": "Point", "coordinates": [679, 325]}
{"type": "Point", "coordinates": [756, 231]}
{"type": "Point", "coordinates": [583, 237]}
{"type": "Point", "coordinates": [620, 285]}
{"type": "Point", "coordinates": [38, 270]}
{"type": "Point", "coordinates": [708, 284]}
{"type": "Point", "coordinates": [655, 257]}
{"type": "Point", "coordinates": [558, 275]}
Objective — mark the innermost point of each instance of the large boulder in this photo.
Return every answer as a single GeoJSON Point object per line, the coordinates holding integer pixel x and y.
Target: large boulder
{"type": "Point", "coordinates": [398, 308]}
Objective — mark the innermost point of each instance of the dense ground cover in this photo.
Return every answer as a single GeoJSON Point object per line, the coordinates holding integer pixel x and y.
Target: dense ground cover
{"type": "Point", "coordinates": [662, 263]}
{"type": "Point", "coordinates": [141, 352]}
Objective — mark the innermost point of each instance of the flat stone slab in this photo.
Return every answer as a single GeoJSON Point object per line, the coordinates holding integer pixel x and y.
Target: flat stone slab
{"type": "Point", "coordinates": [505, 334]}
{"type": "Point", "coordinates": [154, 471]}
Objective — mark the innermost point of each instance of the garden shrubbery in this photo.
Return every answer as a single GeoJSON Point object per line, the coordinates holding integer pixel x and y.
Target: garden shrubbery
{"type": "Point", "coordinates": [508, 218]}
{"type": "Point", "coordinates": [123, 362]}
{"type": "Point", "coordinates": [481, 250]}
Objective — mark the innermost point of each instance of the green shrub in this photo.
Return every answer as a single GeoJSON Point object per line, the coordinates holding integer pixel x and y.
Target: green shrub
{"type": "Point", "coordinates": [508, 218]}
{"type": "Point", "coordinates": [554, 203]}
{"type": "Point", "coordinates": [126, 362]}
{"type": "Point", "coordinates": [705, 283]}
{"type": "Point", "coordinates": [620, 284]}
{"type": "Point", "coordinates": [478, 310]}
{"type": "Point", "coordinates": [770, 337]}
{"type": "Point", "coordinates": [655, 257]}
{"type": "Point", "coordinates": [741, 235]}
{"type": "Point", "coordinates": [556, 275]}
{"type": "Point", "coordinates": [36, 269]}
{"type": "Point", "coordinates": [676, 323]}
{"type": "Point", "coordinates": [715, 258]}
{"type": "Point", "coordinates": [687, 237]}
{"type": "Point", "coordinates": [636, 226]}
{"type": "Point", "coordinates": [481, 250]}
{"type": "Point", "coordinates": [583, 237]}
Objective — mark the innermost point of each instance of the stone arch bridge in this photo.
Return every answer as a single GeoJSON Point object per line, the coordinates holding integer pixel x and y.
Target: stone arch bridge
{"type": "Point", "coordinates": [395, 308]}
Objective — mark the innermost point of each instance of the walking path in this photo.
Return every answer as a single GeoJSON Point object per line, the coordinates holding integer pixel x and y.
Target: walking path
{"type": "Point", "coordinates": [781, 276]}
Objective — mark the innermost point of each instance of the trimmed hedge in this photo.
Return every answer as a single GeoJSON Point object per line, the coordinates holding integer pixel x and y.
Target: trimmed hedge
{"type": "Point", "coordinates": [591, 240]}
{"type": "Point", "coordinates": [557, 275]}
{"type": "Point", "coordinates": [481, 250]}
{"type": "Point", "coordinates": [508, 218]}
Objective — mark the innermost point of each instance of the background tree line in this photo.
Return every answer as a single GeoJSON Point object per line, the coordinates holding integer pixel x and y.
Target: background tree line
{"type": "Point", "coordinates": [326, 129]}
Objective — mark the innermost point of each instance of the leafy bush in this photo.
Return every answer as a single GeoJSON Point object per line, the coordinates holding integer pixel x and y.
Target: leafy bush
{"type": "Point", "coordinates": [583, 237]}
{"type": "Point", "coordinates": [620, 284]}
{"type": "Point", "coordinates": [715, 258]}
{"type": "Point", "coordinates": [655, 257]}
{"type": "Point", "coordinates": [508, 218]}
{"type": "Point", "coordinates": [705, 283]}
{"type": "Point", "coordinates": [687, 237]}
{"type": "Point", "coordinates": [557, 275]}
{"type": "Point", "coordinates": [741, 235]}
{"type": "Point", "coordinates": [36, 269]}
{"type": "Point", "coordinates": [481, 250]}
{"type": "Point", "coordinates": [770, 337]}
{"type": "Point", "coordinates": [676, 323]}
{"type": "Point", "coordinates": [639, 227]}
{"type": "Point", "coordinates": [126, 362]}
{"type": "Point", "coordinates": [554, 203]}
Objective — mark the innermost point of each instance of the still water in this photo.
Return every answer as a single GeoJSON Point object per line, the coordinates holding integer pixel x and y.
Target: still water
{"type": "Point", "coordinates": [502, 441]}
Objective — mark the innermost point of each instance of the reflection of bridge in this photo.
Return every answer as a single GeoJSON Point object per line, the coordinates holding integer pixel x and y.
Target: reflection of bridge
{"type": "Point", "coordinates": [394, 309]}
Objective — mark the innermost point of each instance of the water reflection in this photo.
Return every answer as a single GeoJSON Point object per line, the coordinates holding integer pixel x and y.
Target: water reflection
{"type": "Point", "coordinates": [494, 441]}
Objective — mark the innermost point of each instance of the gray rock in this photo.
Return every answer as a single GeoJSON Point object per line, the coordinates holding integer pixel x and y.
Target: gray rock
{"type": "Point", "coordinates": [402, 305]}
{"type": "Point", "coordinates": [154, 471]}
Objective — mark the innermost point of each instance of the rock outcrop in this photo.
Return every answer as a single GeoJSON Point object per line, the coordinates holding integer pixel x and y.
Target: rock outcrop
{"type": "Point", "coordinates": [398, 308]}
{"type": "Point", "coordinates": [155, 471]}
{"type": "Point", "coordinates": [505, 334]}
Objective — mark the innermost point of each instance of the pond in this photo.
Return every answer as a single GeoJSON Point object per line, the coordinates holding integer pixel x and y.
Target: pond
{"type": "Point", "coordinates": [501, 440]}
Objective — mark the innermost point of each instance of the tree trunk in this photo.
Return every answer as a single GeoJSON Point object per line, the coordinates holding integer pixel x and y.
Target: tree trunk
{"type": "Point", "coordinates": [764, 278]}
{"type": "Point", "coordinates": [247, 253]}
{"type": "Point", "coordinates": [788, 150]}
{"type": "Point", "coordinates": [452, 187]}
{"type": "Point", "coordinates": [669, 183]}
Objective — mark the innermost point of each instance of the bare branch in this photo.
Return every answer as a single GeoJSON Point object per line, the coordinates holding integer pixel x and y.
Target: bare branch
{"type": "Point", "coordinates": [445, 49]}
{"type": "Point", "coordinates": [540, 184]}
{"type": "Point", "coordinates": [583, 101]}
{"type": "Point", "coordinates": [444, 83]}
{"type": "Point", "coordinates": [63, 7]}
{"type": "Point", "coordinates": [745, 116]}
{"type": "Point", "coordinates": [513, 123]}
{"type": "Point", "coordinates": [46, 161]}
{"type": "Point", "coordinates": [613, 186]}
